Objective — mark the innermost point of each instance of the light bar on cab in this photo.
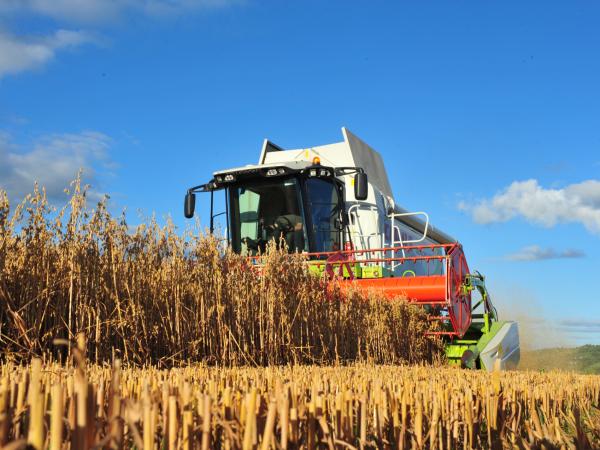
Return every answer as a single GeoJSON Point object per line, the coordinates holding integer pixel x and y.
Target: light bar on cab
{"type": "Point", "coordinates": [225, 179]}
{"type": "Point", "coordinates": [274, 172]}
{"type": "Point", "coordinates": [317, 172]}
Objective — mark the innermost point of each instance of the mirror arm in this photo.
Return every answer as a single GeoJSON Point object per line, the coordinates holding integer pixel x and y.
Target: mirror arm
{"type": "Point", "coordinates": [206, 187]}
{"type": "Point", "coordinates": [212, 218]}
{"type": "Point", "coordinates": [348, 170]}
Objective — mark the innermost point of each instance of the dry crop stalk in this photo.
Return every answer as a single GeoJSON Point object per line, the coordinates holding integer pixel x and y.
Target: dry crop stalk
{"type": "Point", "coordinates": [159, 298]}
{"type": "Point", "coordinates": [156, 296]}
{"type": "Point", "coordinates": [362, 406]}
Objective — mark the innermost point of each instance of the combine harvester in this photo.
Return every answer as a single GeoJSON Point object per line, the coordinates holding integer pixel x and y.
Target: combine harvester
{"type": "Point", "coordinates": [334, 204]}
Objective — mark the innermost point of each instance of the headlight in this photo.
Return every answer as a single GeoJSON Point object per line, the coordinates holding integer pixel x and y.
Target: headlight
{"type": "Point", "coordinates": [229, 177]}
{"type": "Point", "coordinates": [274, 172]}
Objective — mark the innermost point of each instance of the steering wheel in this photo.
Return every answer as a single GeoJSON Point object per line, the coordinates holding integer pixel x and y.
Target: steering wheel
{"type": "Point", "coordinates": [283, 224]}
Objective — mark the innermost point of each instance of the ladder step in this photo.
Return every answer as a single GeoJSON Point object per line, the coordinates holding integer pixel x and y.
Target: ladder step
{"type": "Point", "coordinates": [441, 333]}
{"type": "Point", "coordinates": [429, 302]}
{"type": "Point", "coordinates": [438, 318]}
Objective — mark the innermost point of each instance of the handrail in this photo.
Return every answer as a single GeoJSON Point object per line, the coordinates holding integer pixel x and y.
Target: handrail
{"type": "Point", "coordinates": [320, 262]}
{"type": "Point", "coordinates": [408, 214]}
{"type": "Point", "coordinates": [358, 234]}
{"type": "Point", "coordinates": [397, 260]}
{"type": "Point", "coordinates": [383, 249]}
{"type": "Point", "coordinates": [386, 249]}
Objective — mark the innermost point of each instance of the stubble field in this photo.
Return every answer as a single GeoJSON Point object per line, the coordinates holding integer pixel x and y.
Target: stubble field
{"type": "Point", "coordinates": [114, 336]}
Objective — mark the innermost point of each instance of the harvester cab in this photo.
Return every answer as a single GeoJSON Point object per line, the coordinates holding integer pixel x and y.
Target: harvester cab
{"type": "Point", "coordinates": [333, 203]}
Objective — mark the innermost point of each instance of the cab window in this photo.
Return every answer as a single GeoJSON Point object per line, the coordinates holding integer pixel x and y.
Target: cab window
{"type": "Point", "coordinates": [267, 209]}
{"type": "Point", "coordinates": [323, 206]}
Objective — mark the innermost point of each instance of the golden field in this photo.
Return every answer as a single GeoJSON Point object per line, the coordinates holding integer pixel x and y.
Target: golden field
{"type": "Point", "coordinates": [189, 346]}
{"type": "Point", "coordinates": [359, 406]}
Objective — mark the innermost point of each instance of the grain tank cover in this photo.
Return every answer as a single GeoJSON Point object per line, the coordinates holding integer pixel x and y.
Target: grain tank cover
{"type": "Point", "coordinates": [370, 160]}
{"type": "Point", "coordinates": [351, 152]}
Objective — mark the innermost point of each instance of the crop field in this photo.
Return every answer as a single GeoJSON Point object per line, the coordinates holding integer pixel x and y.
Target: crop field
{"type": "Point", "coordinates": [114, 336]}
{"type": "Point", "coordinates": [152, 295]}
{"type": "Point", "coordinates": [361, 406]}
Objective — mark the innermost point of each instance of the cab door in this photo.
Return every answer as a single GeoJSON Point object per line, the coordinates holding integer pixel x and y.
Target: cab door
{"type": "Point", "coordinates": [323, 207]}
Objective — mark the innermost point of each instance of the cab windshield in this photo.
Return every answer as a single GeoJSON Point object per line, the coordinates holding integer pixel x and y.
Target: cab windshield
{"type": "Point", "coordinates": [267, 209]}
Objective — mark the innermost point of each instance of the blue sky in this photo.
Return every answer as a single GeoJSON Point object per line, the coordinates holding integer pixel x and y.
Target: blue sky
{"type": "Point", "coordinates": [486, 114]}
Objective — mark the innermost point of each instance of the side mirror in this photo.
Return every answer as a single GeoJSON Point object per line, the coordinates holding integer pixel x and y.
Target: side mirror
{"type": "Point", "coordinates": [189, 205]}
{"type": "Point", "coordinates": [361, 186]}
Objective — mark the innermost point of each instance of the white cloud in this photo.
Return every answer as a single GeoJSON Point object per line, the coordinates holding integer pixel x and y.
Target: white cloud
{"type": "Point", "coordinates": [575, 203]}
{"type": "Point", "coordinates": [18, 53]}
{"type": "Point", "coordinates": [536, 253]}
{"type": "Point", "coordinates": [103, 10]}
{"type": "Point", "coordinates": [75, 10]}
{"type": "Point", "coordinates": [23, 53]}
{"type": "Point", "coordinates": [580, 325]}
{"type": "Point", "coordinates": [53, 161]}
{"type": "Point", "coordinates": [160, 7]}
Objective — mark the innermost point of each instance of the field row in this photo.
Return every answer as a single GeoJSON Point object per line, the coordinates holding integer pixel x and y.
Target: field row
{"type": "Point", "coordinates": [50, 406]}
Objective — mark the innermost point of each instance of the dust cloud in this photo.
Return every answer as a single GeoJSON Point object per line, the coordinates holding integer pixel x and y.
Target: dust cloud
{"type": "Point", "coordinates": [536, 331]}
